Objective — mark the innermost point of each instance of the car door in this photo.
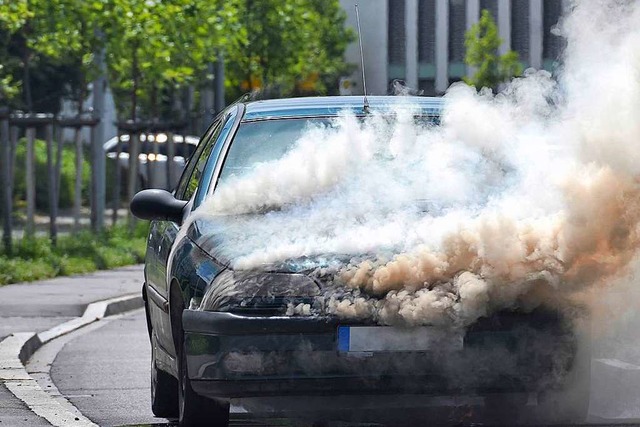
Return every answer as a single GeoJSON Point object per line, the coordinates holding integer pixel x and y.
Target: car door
{"type": "Point", "coordinates": [165, 232]}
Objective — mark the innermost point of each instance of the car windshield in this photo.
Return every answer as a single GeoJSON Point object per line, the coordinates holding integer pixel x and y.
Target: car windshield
{"type": "Point", "coordinates": [267, 140]}
{"type": "Point", "coordinates": [264, 141]}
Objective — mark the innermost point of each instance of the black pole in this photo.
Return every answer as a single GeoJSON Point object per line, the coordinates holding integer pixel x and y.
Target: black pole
{"type": "Point", "coordinates": [5, 170]}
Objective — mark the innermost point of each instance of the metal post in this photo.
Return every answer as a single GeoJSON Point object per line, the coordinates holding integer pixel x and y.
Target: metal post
{"type": "Point", "coordinates": [77, 189]}
{"type": "Point", "coordinates": [30, 174]}
{"type": "Point", "coordinates": [53, 202]}
{"type": "Point", "coordinates": [132, 184]}
{"type": "Point", "coordinates": [171, 154]}
{"type": "Point", "coordinates": [58, 165]}
{"type": "Point", "coordinates": [5, 169]}
{"type": "Point", "coordinates": [98, 163]}
{"type": "Point", "coordinates": [117, 179]}
{"type": "Point", "coordinates": [151, 152]}
{"type": "Point", "coordinates": [13, 139]}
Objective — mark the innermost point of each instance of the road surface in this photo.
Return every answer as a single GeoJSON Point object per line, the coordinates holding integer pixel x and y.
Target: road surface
{"type": "Point", "coordinates": [104, 371]}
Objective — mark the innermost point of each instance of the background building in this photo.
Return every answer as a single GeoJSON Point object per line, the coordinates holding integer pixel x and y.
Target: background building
{"type": "Point", "coordinates": [422, 41]}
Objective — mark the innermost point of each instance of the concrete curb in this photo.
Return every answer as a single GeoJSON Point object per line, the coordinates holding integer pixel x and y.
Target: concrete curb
{"type": "Point", "coordinates": [17, 348]}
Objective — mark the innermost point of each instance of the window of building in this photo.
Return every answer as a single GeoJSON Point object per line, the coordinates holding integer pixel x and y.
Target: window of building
{"type": "Point", "coordinates": [427, 87]}
{"type": "Point", "coordinates": [520, 29]}
{"type": "Point", "coordinates": [426, 39]}
{"type": "Point", "coordinates": [551, 43]}
{"type": "Point", "coordinates": [491, 6]}
{"type": "Point", "coordinates": [396, 39]}
{"type": "Point", "coordinates": [457, 29]}
{"type": "Point", "coordinates": [427, 31]}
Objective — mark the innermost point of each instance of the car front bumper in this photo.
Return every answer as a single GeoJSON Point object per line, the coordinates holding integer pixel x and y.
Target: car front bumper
{"type": "Point", "coordinates": [230, 355]}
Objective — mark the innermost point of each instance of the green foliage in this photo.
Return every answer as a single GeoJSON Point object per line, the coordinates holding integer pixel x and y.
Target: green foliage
{"type": "Point", "coordinates": [482, 42]}
{"type": "Point", "coordinates": [83, 252]}
{"type": "Point", "coordinates": [67, 175]}
{"type": "Point", "coordinates": [292, 47]}
{"type": "Point", "coordinates": [9, 88]}
{"type": "Point", "coordinates": [53, 31]}
{"type": "Point", "coordinates": [156, 48]}
{"type": "Point", "coordinates": [14, 14]}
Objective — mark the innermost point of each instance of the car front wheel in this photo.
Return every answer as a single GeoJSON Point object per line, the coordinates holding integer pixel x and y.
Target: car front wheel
{"type": "Point", "coordinates": [164, 389]}
{"type": "Point", "coordinates": [196, 410]}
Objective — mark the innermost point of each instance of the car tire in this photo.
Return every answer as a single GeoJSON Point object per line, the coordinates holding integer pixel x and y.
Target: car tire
{"type": "Point", "coordinates": [164, 389]}
{"type": "Point", "coordinates": [570, 404]}
{"type": "Point", "coordinates": [196, 410]}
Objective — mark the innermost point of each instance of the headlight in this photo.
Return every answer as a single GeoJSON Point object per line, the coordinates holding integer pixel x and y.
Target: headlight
{"type": "Point", "coordinates": [258, 293]}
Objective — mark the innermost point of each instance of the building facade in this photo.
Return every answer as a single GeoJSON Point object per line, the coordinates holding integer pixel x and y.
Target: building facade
{"type": "Point", "coordinates": [422, 41]}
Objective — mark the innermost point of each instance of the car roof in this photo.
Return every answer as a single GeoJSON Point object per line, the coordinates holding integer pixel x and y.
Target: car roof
{"type": "Point", "coordinates": [332, 105]}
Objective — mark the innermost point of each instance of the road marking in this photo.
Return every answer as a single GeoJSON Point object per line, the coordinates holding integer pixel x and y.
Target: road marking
{"type": "Point", "coordinates": [17, 348]}
{"type": "Point", "coordinates": [616, 363]}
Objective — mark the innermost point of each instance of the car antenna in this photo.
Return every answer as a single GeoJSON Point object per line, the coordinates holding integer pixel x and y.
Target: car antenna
{"type": "Point", "coordinates": [364, 78]}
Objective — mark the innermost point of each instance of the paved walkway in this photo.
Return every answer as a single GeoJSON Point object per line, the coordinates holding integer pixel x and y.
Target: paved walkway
{"type": "Point", "coordinates": [38, 306]}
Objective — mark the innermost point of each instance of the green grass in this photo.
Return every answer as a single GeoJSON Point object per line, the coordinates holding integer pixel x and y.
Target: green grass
{"type": "Point", "coordinates": [83, 252]}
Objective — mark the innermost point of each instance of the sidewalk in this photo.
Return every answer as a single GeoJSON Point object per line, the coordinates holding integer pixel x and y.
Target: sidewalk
{"type": "Point", "coordinates": [39, 306]}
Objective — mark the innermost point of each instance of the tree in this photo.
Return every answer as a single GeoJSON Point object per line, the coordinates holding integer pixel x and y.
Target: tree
{"type": "Point", "coordinates": [482, 42]}
{"type": "Point", "coordinates": [54, 35]}
{"type": "Point", "coordinates": [289, 47]}
{"type": "Point", "coordinates": [157, 48]}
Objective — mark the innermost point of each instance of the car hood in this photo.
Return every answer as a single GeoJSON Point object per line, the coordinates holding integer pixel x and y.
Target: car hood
{"type": "Point", "coordinates": [210, 235]}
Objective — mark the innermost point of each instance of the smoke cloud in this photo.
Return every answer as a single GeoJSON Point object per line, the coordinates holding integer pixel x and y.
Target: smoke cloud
{"type": "Point", "coordinates": [523, 198]}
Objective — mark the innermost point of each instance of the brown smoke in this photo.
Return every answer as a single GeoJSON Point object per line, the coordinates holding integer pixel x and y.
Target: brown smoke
{"type": "Point", "coordinates": [495, 262]}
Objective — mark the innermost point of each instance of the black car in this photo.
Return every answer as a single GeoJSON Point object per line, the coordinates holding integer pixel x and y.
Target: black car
{"type": "Point", "coordinates": [221, 333]}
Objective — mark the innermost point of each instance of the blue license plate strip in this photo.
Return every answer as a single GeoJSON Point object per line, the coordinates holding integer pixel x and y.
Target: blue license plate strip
{"type": "Point", "coordinates": [359, 339]}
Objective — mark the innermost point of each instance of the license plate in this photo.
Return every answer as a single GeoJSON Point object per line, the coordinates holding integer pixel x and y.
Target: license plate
{"type": "Point", "coordinates": [393, 339]}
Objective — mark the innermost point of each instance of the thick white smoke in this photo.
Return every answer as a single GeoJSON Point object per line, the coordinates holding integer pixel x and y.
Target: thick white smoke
{"type": "Point", "coordinates": [526, 197]}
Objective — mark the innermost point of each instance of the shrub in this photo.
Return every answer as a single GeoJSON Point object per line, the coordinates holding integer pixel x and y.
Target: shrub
{"type": "Point", "coordinates": [83, 252]}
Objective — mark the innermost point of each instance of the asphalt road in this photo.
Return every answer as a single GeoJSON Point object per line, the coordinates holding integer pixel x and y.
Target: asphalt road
{"type": "Point", "coordinates": [104, 372]}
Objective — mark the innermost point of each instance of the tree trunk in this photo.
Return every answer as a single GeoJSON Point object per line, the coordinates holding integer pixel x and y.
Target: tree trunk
{"type": "Point", "coordinates": [77, 140]}
{"type": "Point", "coordinates": [5, 170]}
{"type": "Point", "coordinates": [118, 183]}
{"type": "Point", "coordinates": [30, 172]}
{"type": "Point", "coordinates": [53, 201]}
{"type": "Point", "coordinates": [135, 76]}
{"type": "Point", "coordinates": [77, 194]}
{"type": "Point", "coordinates": [26, 62]}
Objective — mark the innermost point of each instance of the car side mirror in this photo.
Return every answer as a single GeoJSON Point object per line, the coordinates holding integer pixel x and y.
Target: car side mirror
{"type": "Point", "coordinates": [159, 205]}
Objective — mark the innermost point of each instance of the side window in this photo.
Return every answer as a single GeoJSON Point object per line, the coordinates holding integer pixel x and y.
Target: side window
{"type": "Point", "coordinates": [214, 160]}
{"type": "Point", "coordinates": [193, 170]}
